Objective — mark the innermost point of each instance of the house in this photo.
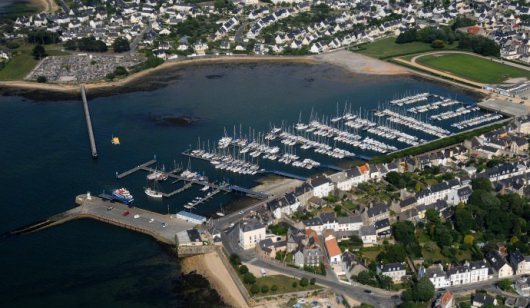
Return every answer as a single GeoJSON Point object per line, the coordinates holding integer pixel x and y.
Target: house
{"type": "Point", "coordinates": [314, 223]}
{"type": "Point", "coordinates": [382, 227]}
{"type": "Point", "coordinates": [190, 237]}
{"type": "Point", "coordinates": [522, 286]}
{"type": "Point", "coordinates": [329, 221]}
{"type": "Point", "coordinates": [518, 263]}
{"type": "Point", "coordinates": [368, 236]}
{"type": "Point", "coordinates": [322, 186]}
{"type": "Point", "coordinates": [303, 193]}
{"type": "Point", "coordinates": [375, 213]}
{"type": "Point", "coordinates": [309, 253]}
{"type": "Point", "coordinates": [341, 181]}
{"type": "Point", "coordinates": [396, 271]}
{"type": "Point", "coordinates": [351, 264]}
{"type": "Point", "coordinates": [251, 234]}
{"type": "Point", "coordinates": [446, 300]}
{"type": "Point", "coordinates": [462, 194]}
{"type": "Point", "coordinates": [350, 223]}
{"type": "Point", "coordinates": [478, 271]}
{"type": "Point", "coordinates": [479, 300]}
{"type": "Point", "coordinates": [436, 275]}
{"type": "Point", "coordinates": [500, 266]}
{"type": "Point", "coordinates": [458, 275]}
{"type": "Point", "coordinates": [332, 247]}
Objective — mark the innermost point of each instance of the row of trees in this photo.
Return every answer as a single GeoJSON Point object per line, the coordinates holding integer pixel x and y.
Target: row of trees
{"type": "Point", "coordinates": [93, 45]}
{"type": "Point", "coordinates": [437, 37]}
{"type": "Point", "coordinates": [86, 44]}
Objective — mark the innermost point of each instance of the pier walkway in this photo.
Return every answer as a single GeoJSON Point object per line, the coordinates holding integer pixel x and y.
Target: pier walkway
{"type": "Point", "coordinates": [206, 198]}
{"type": "Point", "coordinates": [284, 174]}
{"type": "Point", "coordinates": [89, 124]}
{"type": "Point", "coordinates": [248, 191]}
{"type": "Point", "coordinates": [161, 227]}
{"type": "Point", "coordinates": [137, 168]}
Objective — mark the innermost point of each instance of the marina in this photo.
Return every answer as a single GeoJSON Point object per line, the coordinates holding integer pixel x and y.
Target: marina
{"type": "Point", "coordinates": [347, 135]}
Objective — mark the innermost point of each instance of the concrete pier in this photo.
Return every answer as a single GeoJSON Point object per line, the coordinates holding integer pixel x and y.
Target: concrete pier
{"type": "Point", "coordinates": [161, 227]}
{"type": "Point", "coordinates": [89, 124]}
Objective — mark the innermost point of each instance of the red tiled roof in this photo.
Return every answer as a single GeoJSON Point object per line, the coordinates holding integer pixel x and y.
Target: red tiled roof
{"type": "Point", "coordinates": [333, 247]}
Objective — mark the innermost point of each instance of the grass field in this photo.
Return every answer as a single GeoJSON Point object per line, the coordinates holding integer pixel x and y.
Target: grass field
{"type": "Point", "coordinates": [22, 62]}
{"type": "Point", "coordinates": [473, 68]}
{"type": "Point", "coordinates": [284, 284]}
{"type": "Point", "coordinates": [387, 48]}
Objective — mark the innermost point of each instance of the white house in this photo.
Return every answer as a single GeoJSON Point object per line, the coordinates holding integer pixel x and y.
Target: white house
{"type": "Point", "coordinates": [322, 186]}
{"type": "Point", "coordinates": [396, 271]}
{"type": "Point", "coordinates": [251, 234]}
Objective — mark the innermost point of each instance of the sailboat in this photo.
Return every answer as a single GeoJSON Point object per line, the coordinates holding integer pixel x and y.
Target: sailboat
{"type": "Point", "coordinates": [153, 193]}
{"type": "Point", "coordinates": [220, 212]}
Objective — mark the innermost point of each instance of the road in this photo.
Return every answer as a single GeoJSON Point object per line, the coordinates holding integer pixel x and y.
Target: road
{"type": "Point", "coordinates": [374, 298]}
{"type": "Point", "coordinates": [377, 297]}
{"type": "Point", "coordinates": [136, 41]}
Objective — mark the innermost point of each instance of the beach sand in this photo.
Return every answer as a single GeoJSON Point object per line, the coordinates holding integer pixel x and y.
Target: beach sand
{"type": "Point", "coordinates": [211, 267]}
{"type": "Point", "coordinates": [360, 64]}
{"type": "Point", "coordinates": [44, 5]}
{"type": "Point", "coordinates": [274, 185]}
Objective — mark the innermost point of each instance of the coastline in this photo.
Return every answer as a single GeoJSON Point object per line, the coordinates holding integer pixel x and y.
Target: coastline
{"type": "Point", "coordinates": [212, 268]}
{"type": "Point", "coordinates": [351, 62]}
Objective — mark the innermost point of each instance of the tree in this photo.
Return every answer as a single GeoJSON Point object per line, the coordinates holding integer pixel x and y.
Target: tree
{"type": "Point", "coordinates": [254, 289]}
{"type": "Point", "coordinates": [432, 216]}
{"type": "Point", "coordinates": [385, 282]}
{"type": "Point", "coordinates": [70, 45]}
{"type": "Point", "coordinates": [243, 269]}
{"type": "Point", "coordinates": [249, 278]}
{"type": "Point", "coordinates": [424, 290]}
{"type": "Point", "coordinates": [295, 284]}
{"type": "Point", "coordinates": [437, 44]}
{"type": "Point", "coordinates": [264, 289]}
{"type": "Point", "coordinates": [304, 282]}
{"type": "Point", "coordinates": [234, 259]}
{"type": "Point", "coordinates": [469, 239]}
{"type": "Point", "coordinates": [481, 184]}
{"type": "Point", "coordinates": [464, 220]}
{"type": "Point", "coordinates": [274, 288]}
{"type": "Point", "coordinates": [312, 281]}
{"type": "Point", "coordinates": [404, 231]}
{"type": "Point", "coordinates": [504, 284]}
{"type": "Point", "coordinates": [39, 52]}
{"type": "Point", "coordinates": [443, 236]}
{"type": "Point", "coordinates": [120, 45]}
{"type": "Point", "coordinates": [110, 76]}
{"type": "Point", "coordinates": [42, 79]}
{"type": "Point", "coordinates": [120, 71]}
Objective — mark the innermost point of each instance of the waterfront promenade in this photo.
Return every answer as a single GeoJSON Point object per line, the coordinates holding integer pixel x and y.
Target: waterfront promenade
{"type": "Point", "coordinates": [161, 227]}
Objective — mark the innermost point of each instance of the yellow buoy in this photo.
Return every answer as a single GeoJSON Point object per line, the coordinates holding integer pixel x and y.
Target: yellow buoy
{"type": "Point", "coordinates": [115, 140]}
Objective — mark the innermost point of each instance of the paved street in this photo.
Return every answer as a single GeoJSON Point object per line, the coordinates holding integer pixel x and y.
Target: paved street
{"type": "Point", "coordinates": [377, 297]}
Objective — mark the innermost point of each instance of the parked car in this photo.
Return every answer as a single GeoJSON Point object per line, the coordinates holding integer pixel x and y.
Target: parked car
{"type": "Point", "coordinates": [110, 208]}
{"type": "Point", "coordinates": [126, 213]}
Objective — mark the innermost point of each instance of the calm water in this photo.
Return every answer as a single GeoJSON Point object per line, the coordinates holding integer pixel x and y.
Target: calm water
{"type": "Point", "coordinates": [46, 163]}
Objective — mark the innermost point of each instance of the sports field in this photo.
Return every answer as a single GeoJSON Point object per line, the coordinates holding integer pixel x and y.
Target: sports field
{"type": "Point", "coordinates": [472, 68]}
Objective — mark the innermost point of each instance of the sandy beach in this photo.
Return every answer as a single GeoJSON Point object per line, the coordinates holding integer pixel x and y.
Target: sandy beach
{"type": "Point", "coordinates": [353, 62]}
{"type": "Point", "coordinates": [44, 5]}
{"type": "Point", "coordinates": [211, 267]}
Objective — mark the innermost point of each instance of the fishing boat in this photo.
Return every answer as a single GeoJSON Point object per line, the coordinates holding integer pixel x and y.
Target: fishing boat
{"type": "Point", "coordinates": [122, 195]}
{"type": "Point", "coordinates": [153, 193]}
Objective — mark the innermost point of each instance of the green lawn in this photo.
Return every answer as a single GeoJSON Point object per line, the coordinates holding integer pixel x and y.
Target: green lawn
{"type": "Point", "coordinates": [387, 48]}
{"type": "Point", "coordinates": [473, 68]}
{"type": "Point", "coordinates": [284, 284]}
{"type": "Point", "coordinates": [18, 67]}
{"type": "Point", "coordinates": [22, 62]}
